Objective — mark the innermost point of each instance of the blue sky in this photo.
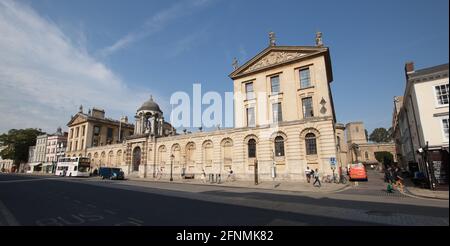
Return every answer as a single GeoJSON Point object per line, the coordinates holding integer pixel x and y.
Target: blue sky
{"type": "Point", "coordinates": [120, 53]}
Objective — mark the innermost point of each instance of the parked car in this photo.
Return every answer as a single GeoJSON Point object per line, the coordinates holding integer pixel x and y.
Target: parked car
{"type": "Point", "coordinates": [111, 173]}
{"type": "Point", "coordinates": [357, 171]}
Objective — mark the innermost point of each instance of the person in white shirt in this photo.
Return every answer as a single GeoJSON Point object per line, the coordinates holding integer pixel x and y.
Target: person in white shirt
{"type": "Point", "coordinates": [308, 174]}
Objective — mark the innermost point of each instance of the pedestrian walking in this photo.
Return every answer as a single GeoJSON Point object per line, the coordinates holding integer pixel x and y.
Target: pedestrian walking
{"type": "Point", "coordinates": [230, 175]}
{"type": "Point", "coordinates": [203, 177]}
{"type": "Point", "coordinates": [308, 174]}
{"type": "Point", "coordinates": [317, 177]}
{"type": "Point", "coordinates": [398, 179]}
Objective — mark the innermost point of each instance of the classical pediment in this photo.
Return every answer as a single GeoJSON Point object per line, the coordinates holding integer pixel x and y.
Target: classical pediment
{"type": "Point", "coordinates": [77, 119]}
{"type": "Point", "coordinates": [274, 56]}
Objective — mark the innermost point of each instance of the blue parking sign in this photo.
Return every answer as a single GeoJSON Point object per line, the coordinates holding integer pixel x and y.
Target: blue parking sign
{"type": "Point", "coordinates": [333, 161]}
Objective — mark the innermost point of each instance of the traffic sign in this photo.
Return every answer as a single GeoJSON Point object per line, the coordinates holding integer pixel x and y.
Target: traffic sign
{"type": "Point", "coordinates": [333, 161]}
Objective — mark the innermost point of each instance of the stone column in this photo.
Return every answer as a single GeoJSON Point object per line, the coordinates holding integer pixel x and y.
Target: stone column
{"type": "Point", "coordinates": [161, 123]}
{"type": "Point", "coordinates": [152, 127]}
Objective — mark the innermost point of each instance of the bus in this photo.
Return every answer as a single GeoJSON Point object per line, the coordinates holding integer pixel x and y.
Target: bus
{"type": "Point", "coordinates": [73, 167]}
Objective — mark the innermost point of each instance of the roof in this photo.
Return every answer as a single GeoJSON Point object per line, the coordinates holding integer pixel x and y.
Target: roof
{"type": "Point", "coordinates": [150, 105]}
{"type": "Point", "coordinates": [302, 53]}
{"type": "Point", "coordinates": [430, 73]}
{"type": "Point", "coordinates": [103, 120]}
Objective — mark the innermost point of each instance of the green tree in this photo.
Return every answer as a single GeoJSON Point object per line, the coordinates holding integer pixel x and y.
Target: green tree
{"type": "Point", "coordinates": [17, 143]}
{"type": "Point", "coordinates": [380, 135]}
{"type": "Point", "coordinates": [384, 157]}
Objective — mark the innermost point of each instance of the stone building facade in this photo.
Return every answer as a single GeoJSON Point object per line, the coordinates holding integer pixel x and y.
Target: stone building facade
{"type": "Point", "coordinates": [54, 141]}
{"type": "Point", "coordinates": [422, 122]}
{"type": "Point", "coordinates": [41, 148]}
{"type": "Point", "coordinates": [92, 129]}
{"type": "Point", "coordinates": [360, 150]}
{"type": "Point", "coordinates": [284, 122]}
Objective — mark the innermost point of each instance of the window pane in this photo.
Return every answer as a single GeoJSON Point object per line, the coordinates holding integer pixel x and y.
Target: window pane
{"type": "Point", "coordinates": [252, 148]}
{"type": "Point", "coordinates": [307, 107]}
{"type": "Point", "coordinates": [249, 91]}
{"type": "Point", "coordinates": [250, 116]}
{"type": "Point", "coordinates": [445, 126]}
{"type": "Point", "coordinates": [305, 80]}
{"type": "Point", "coordinates": [442, 94]}
{"type": "Point", "coordinates": [277, 113]}
{"type": "Point", "coordinates": [275, 83]}
{"type": "Point", "coordinates": [279, 146]}
{"type": "Point", "coordinates": [310, 141]}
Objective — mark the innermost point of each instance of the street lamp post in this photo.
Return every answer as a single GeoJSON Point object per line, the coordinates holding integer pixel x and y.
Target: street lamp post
{"type": "Point", "coordinates": [273, 169]}
{"type": "Point", "coordinates": [171, 166]}
{"type": "Point", "coordinates": [256, 171]}
{"type": "Point", "coordinates": [429, 168]}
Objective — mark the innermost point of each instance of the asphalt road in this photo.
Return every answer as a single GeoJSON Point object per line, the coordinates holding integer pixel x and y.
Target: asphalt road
{"type": "Point", "coordinates": [57, 201]}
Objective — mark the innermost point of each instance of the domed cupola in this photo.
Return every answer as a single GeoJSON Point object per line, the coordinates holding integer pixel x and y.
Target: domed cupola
{"type": "Point", "coordinates": [150, 105]}
{"type": "Point", "coordinates": [149, 119]}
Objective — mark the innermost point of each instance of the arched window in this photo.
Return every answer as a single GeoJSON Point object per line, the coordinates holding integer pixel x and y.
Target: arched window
{"type": "Point", "coordinates": [110, 158]}
{"type": "Point", "coordinates": [227, 152]}
{"type": "Point", "coordinates": [136, 161]}
{"type": "Point", "coordinates": [103, 159]}
{"type": "Point", "coordinates": [118, 157]}
{"type": "Point", "coordinates": [208, 153]}
{"type": "Point", "coordinates": [279, 146]}
{"type": "Point", "coordinates": [162, 155]}
{"type": "Point", "coordinates": [176, 151]}
{"type": "Point", "coordinates": [190, 148]}
{"type": "Point", "coordinates": [310, 141]}
{"type": "Point", "coordinates": [252, 148]}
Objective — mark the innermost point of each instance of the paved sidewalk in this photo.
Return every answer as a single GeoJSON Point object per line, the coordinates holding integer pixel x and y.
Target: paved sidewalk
{"type": "Point", "coordinates": [426, 193]}
{"type": "Point", "coordinates": [298, 186]}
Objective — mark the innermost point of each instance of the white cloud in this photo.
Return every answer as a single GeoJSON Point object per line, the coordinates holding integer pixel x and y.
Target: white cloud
{"type": "Point", "coordinates": [44, 76]}
{"type": "Point", "coordinates": [154, 24]}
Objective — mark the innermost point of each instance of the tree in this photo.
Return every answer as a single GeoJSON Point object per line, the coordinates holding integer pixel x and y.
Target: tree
{"type": "Point", "coordinates": [367, 135]}
{"type": "Point", "coordinates": [380, 135]}
{"type": "Point", "coordinates": [384, 157]}
{"type": "Point", "coordinates": [17, 143]}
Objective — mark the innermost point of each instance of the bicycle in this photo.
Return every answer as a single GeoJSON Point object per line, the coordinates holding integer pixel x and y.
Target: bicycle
{"type": "Point", "coordinates": [342, 179]}
{"type": "Point", "coordinates": [327, 179]}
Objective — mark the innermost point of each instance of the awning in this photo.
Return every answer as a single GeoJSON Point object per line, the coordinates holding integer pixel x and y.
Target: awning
{"type": "Point", "coordinates": [35, 164]}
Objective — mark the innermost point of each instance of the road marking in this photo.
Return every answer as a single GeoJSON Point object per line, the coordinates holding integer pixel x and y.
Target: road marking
{"type": "Point", "coordinates": [109, 211]}
{"type": "Point", "coordinates": [7, 216]}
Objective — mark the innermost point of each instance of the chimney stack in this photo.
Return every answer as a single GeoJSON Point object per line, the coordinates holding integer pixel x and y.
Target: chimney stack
{"type": "Point", "coordinates": [409, 67]}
